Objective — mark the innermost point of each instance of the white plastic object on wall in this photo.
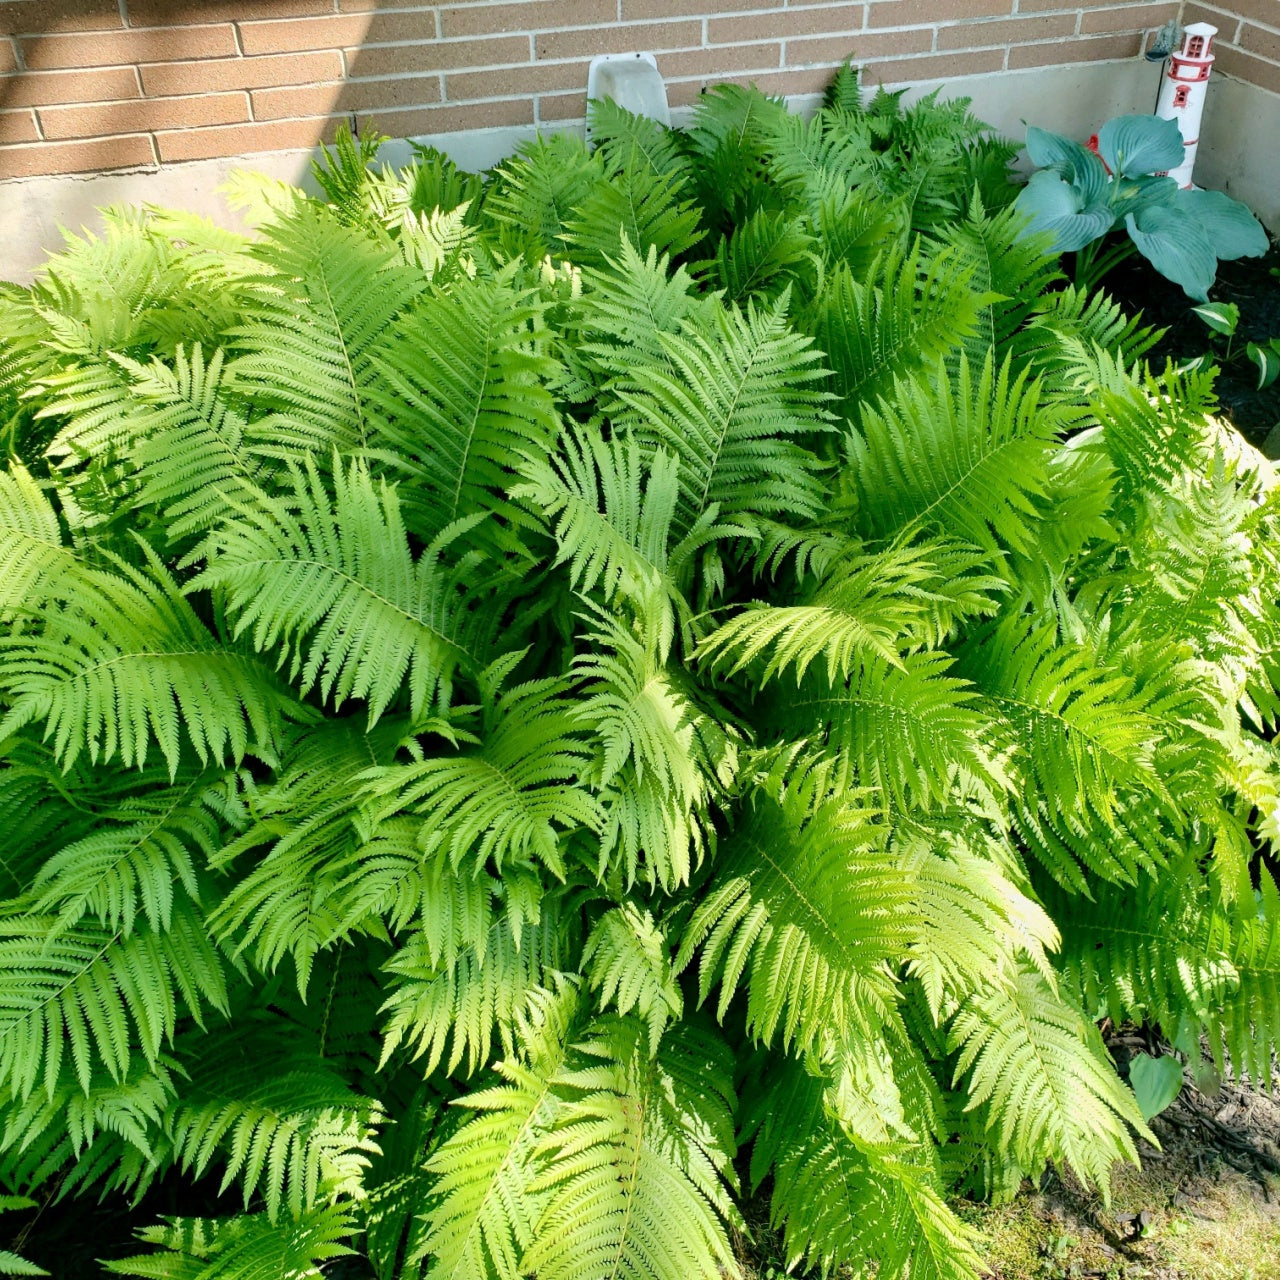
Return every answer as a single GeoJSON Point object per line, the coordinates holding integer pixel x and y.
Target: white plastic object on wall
{"type": "Point", "coordinates": [1182, 91]}
{"type": "Point", "coordinates": [633, 81]}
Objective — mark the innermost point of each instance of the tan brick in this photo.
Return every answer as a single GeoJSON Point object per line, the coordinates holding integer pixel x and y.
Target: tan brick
{"type": "Point", "coordinates": [382, 95]}
{"type": "Point", "coordinates": [529, 15]}
{"type": "Point", "coordinates": [8, 61]}
{"type": "Point", "coordinates": [906, 13]}
{"type": "Point", "coordinates": [296, 35]}
{"type": "Point", "coordinates": [981, 35]}
{"type": "Point", "coordinates": [425, 120]}
{"type": "Point", "coordinates": [18, 126]}
{"type": "Point", "coordinates": [859, 46]}
{"type": "Point", "coordinates": [586, 43]}
{"type": "Point", "coordinates": [58, 15]}
{"type": "Point", "coordinates": [940, 66]}
{"type": "Point", "coordinates": [638, 10]}
{"type": "Point", "coordinates": [776, 83]}
{"type": "Point", "coordinates": [40, 158]}
{"type": "Point", "coordinates": [511, 82]}
{"type": "Point", "coordinates": [234, 140]}
{"type": "Point", "coordinates": [241, 73]}
{"type": "Point", "coordinates": [42, 88]}
{"type": "Point", "coordinates": [725, 59]}
{"type": "Point", "coordinates": [1090, 49]}
{"type": "Point", "coordinates": [1133, 17]}
{"type": "Point", "coordinates": [562, 106]}
{"type": "Point", "coordinates": [181, 13]}
{"type": "Point", "coordinates": [1258, 41]}
{"type": "Point", "coordinates": [113, 48]}
{"type": "Point", "coordinates": [439, 55]}
{"type": "Point", "coordinates": [1244, 66]}
{"type": "Point", "coordinates": [104, 119]}
{"type": "Point", "coordinates": [786, 25]}
{"type": "Point", "coordinates": [293, 102]}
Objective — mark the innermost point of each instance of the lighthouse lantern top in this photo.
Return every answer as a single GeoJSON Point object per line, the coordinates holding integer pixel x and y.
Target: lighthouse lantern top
{"type": "Point", "coordinates": [1197, 41]}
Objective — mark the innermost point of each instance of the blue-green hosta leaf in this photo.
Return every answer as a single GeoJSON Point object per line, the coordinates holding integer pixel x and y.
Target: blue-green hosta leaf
{"type": "Point", "coordinates": [1267, 359]}
{"type": "Point", "coordinates": [1136, 145]}
{"type": "Point", "coordinates": [1228, 225]}
{"type": "Point", "coordinates": [1221, 317]}
{"type": "Point", "coordinates": [1077, 164]}
{"type": "Point", "coordinates": [1156, 1083]}
{"type": "Point", "coordinates": [1176, 247]}
{"type": "Point", "coordinates": [1129, 195]}
{"type": "Point", "coordinates": [1055, 206]}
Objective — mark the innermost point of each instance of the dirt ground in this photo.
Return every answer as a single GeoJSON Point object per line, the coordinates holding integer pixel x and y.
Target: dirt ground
{"type": "Point", "coordinates": [1204, 1207]}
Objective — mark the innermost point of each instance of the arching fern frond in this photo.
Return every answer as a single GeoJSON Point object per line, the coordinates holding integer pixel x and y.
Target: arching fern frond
{"type": "Point", "coordinates": [967, 459]}
{"type": "Point", "coordinates": [330, 587]}
{"type": "Point", "coordinates": [1046, 1080]}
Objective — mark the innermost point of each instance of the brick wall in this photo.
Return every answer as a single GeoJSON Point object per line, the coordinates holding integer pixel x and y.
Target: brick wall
{"type": "Point", "coordinates": [88, 85]}
{"type": "Point", "coordinates": [1248, 42]}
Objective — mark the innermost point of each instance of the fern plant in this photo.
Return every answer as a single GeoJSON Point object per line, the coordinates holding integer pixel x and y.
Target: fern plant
{"type": "Point", "coordinates": [534, 711]}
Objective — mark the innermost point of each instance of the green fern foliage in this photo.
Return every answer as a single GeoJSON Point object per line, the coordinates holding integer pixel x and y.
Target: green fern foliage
{"type": "Point", "coordinates": [539, 708]}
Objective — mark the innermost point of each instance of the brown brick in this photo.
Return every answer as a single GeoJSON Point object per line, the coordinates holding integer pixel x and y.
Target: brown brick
{"type": "Point", "coordinates": [438, 55]}
{"type": "Point", "coordinates": [981, 35]}
{"type": "Point", "coordinates": [241, 73]}
{"type": "Point", "coordinates": [113, 48]}
{"type": "Point", "coordinates": [18, 126]}
{"type": "Point", "coordinates": [1090, 49]}
{"type": "Point", "coordinates": [1244, 66]}
{"type": "Point", "coordinates": [940, 66]}
{"type": "Point", "coordinates": [1265, 44]}
{"type": "Point", "coordinates": [294, 102]}
{"type": "Point", "coordinates": [562, 106]}
{"type": "Point", "coordinates": [905, 13]}
{"type": "Point", "coordinates": [1227, 23]}
{"type": "Point", "coordinates": [41, 88]}
{"type": "Point", "coordinates": [234, 140]}
{"type": "Point", "coordinates": [590, 41]}
{"type": "Point", "coordinates": [181, 13]}
{"type": "Point", "coordinates": [382, 95]}
{"type": "Point", "coordinates": [638, 10]}
{"type": "Point", "coordinates": [775, 83]}
{"type": "Point", "coordinates": [108, 118]}
{"type": "Point", "coordinates": [859, 46]}
{"type": "Point", "coordinates": [8, 62]}
{"type": "Point", "coordinates": [58, 15]}
{"type": "Point", "coordinates": [725, 59]}
{"type": "Point", "coordinates": [425, 120]}
{"type": "Point", "coordinates": [39, 158]}
{"type": "Point", "coordinates": [511, 82]}
{"type": "Point", "coordinates": [787, 25]}
{"type": "Point", "coordinates": [528, 15]}
{"type": "Point", "coordinates": [1133, 17]}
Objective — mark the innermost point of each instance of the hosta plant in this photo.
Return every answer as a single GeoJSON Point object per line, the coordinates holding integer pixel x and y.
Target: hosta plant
{"type": "Point", "coordinates": [1078, 196]}
{"type": "Point", "coordinates": [536, 712]}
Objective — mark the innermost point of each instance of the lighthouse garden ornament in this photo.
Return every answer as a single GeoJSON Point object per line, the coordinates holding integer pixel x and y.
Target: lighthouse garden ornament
{"type": "Point", "coordinates": [1078, 196]}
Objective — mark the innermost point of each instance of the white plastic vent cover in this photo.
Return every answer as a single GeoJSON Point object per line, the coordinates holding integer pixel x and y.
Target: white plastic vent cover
{"type": "Point", "coordinates": [632, 80]}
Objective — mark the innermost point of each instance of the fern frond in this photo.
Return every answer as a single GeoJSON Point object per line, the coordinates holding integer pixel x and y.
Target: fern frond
{"type": "Point", "coordinates": [508, 798]}
{"type": "Point", "coordinates": [96, 996]}
{"type": "Point", "coordinates": [808, 914]}
{"type": "Point", "coordinates": [330, 586]}
{"type": "Point", "coordinates": [968, 460]}
{"type": "Point", "coordinates": [247, 1247]}
{"type": "Point", "coordinates": [286, 1123]}
{"type": "Point", "coordinates": [1046, 1080]}
{"type": "Point", "coordinates": [532, 197]}
{"type": "Point", "coordinates": [462, 401]}
{"type": "Point", "coordinates": [627, 962]}
{"type": "Point", "coordinates": [311, 325]}
{"type": "Point", "coordinates": [126, 661]}
{"type": "Point", "coordinates": [729, 406]}
{"type": "Point", "coordinates": [762, 257]}
{"type": "Point", "coordinates": [486, 1204]}
{"type": "Point", "coordinates": [638, 1159]}
{"type": "Point", "coordinates": [34, 557]}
